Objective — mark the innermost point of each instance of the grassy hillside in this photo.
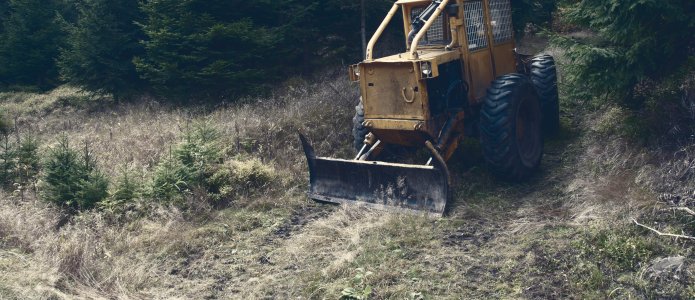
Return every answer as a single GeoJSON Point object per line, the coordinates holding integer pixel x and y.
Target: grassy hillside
{"type": "Point", "coordinates": [566, 233]}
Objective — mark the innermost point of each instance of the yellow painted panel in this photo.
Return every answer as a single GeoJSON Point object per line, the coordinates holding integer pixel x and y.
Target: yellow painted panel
{"type": "Point", "coordinates": [393, 89]}
{"type": "Point", "coordinates": [481, 73]}
{"type": "Point", "coordinates": [505, 62]}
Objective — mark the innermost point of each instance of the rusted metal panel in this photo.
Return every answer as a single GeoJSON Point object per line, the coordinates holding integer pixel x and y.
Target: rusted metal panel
{"type": "Point", "coordinates": [505, 61]}
{"type": "Point", "coordinates": [481, 73]}
{"type": "Point", "coordinates": [393, 90]}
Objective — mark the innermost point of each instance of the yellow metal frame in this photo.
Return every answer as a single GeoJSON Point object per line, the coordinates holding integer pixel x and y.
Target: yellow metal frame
{"type": "Point", "coordinates": [394, 91]}
{"type": "Point", "coordinates": [380, 30]}
{"type": "Point", "coordinates": [423, 31]}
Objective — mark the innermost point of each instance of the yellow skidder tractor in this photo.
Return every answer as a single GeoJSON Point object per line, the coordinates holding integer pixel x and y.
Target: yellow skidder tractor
{"type": "Point", "coordinates": [460, 76]}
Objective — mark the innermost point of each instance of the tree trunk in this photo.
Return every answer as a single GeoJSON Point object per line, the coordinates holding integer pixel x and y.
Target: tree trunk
{"type": "Point", "coordinates": [364, 29]}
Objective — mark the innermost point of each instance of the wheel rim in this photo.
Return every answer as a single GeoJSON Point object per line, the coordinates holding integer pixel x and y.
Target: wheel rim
{"type": "Point", "coordinates": [528, 130]}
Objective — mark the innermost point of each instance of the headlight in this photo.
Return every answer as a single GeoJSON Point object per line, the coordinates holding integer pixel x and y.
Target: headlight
{"type": "Point", "coordinates": [354, 73]}
{"type": "Point", "coordinates": [426, 68]}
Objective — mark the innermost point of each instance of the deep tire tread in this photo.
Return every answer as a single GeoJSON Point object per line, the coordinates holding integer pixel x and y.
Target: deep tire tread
{"type": "Point", "coordinates": [497, 127]}
{"type": "Point", "coordinates": [544, 78]}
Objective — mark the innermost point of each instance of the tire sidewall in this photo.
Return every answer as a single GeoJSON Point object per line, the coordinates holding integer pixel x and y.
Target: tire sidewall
{"type": "Point", "coordinates": [507, 96]}
{"type": "Point", "coordinates": [524, 95]}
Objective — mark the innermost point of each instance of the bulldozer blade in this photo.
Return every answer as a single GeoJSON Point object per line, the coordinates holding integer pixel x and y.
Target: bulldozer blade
{"type": "Point", "coordinates": [389, 186]}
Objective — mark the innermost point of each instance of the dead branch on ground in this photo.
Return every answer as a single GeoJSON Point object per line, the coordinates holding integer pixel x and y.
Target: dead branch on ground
{"type": "Point", "coordinates": [663, 233]}
{"type": "Point", "coordinates": [685, 209]}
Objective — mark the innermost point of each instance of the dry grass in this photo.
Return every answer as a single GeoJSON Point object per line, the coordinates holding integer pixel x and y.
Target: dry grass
{"type": "Point", "coordinates": [141, 133]}
{"type": "Point", "coordinates": [563, 234]}
{"type": "Point", "coordinates": [93, 257]}
{"type": "Point", "coordinates": [20, 104]}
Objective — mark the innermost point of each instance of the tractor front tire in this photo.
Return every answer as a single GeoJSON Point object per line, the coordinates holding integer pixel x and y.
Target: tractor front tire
{"type": "Point", "coordinates": [544, 78]}
{"type": "Point", "coordinates": [359, 132]}
{"type": "Point", "coordinates": [510, 128]}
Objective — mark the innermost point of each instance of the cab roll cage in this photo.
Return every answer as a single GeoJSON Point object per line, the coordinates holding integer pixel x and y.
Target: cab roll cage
{"type": "Point", "coordinates": [420, 25]}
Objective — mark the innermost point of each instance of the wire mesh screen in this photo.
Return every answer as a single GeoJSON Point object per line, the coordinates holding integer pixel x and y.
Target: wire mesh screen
{"type": "Point", "coordinates": [501, 20]}
{"type": "Point", "coordinates": [436, 34]}
{"type": "Point", "coordinates": [475, 25]}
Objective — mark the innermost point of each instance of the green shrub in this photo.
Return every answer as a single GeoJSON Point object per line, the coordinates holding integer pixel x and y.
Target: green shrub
{"type": "Point", "coordinates": [220, 184]}
{"type": "Point", "coordinates": [189, 165]}
{"type": "Point", "coordinates": [19, 162]}
{"type": "Point", "coordinates": [198, 165]}
{"type": "Point", "coordinates": [28, 162]}
{"type": "Point", "coordinates": [619, 249]}
{"type": "Point", "coordinates": [7, 161]}
{"type": "Point", "coordinates": [5, 123]}
{"type": "Point", "coordinates": [72, 180]}
{"type": "Point", "coordinates": [127, 187]}
{"type": "Point", "coordinates": [167, 185]}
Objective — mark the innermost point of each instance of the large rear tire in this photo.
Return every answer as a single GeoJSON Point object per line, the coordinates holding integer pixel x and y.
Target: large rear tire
{"type": "Point", "coordinates": [359, 132]}
{"type": "Point", "coordinates": [544, 78]}
{"type": "Point", "coordinates": [510, 128]}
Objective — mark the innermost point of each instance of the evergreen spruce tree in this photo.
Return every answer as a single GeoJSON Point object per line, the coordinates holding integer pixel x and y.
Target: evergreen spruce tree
{"type": "Point", "coordinates": [127, 188]}
{"type": "Point", "coordinates": [28, 163]}
{"type": "Point", "coordinates": [215, 46]}
{"type": "Point", "coordinates": [4, 12]}
{"type": "Point", "coordinates": [328, 31]}
{"type": "Point", "coordinates": [101, 47]}
{"type": "Point", "coordinates": [71, 180]}
{"type": "Point", "coordinates": [635, 40]}
{"type": "Point", "coordinates": [8, 161]}
{"type": "Point", "coordinates": [537, 12]}
{"type": "Point", "coordinates": [31, 38]}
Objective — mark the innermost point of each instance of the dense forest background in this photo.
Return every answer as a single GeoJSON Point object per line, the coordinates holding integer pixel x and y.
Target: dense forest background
{"type": "Point", "coordinates": [219, 49]}
{"type": "Point", "coordinates": [208, 48]}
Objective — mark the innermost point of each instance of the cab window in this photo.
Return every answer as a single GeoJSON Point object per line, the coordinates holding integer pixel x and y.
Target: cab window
{"type": "Point", "coordinates": [438, 34]}
{"type": "Point", "coordinates": [501, 21]}
{"type": "Point", "coordinates": [476, 31]}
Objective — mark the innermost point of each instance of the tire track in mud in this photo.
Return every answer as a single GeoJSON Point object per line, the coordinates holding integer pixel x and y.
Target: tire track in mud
{"type": "Point", "coordinates": [299, 219]}
{"type": "Point", "coordinates": [495, 233]}
{"type": "Point", "coordinates": [542, 197]}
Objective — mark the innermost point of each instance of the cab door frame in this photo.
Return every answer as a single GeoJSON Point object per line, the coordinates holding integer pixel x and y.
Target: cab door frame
{"type": "Point", "coordinates": [501, 36]}
{"type": "Point", "coordinates": [483, 63]}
